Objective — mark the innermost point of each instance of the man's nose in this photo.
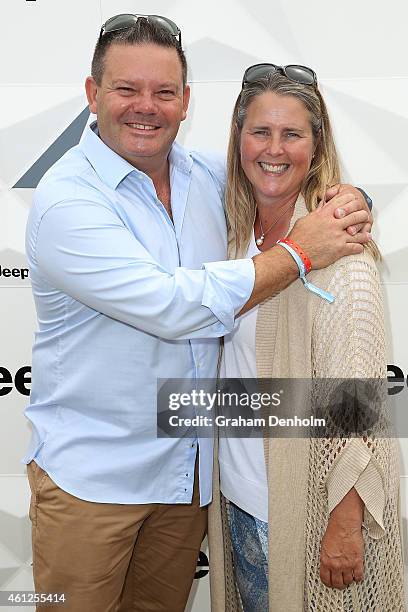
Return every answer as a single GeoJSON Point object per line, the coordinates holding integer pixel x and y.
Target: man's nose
{"type": "Point", "coordinates": [145, 103]}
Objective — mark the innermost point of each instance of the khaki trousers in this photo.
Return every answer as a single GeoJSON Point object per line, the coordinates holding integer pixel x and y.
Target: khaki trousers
{"type": "Point", "coordinates": [113, 557]}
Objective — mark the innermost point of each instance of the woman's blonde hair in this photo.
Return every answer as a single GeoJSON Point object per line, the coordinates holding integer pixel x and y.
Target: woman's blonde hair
{"type": "Point", "coordinates": [324, 170]}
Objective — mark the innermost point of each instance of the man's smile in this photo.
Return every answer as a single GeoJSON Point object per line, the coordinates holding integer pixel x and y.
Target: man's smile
{"type": "Point", "coordinates": [143, 126]}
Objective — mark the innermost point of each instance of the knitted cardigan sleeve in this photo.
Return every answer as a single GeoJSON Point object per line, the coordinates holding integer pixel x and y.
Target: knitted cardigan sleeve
{"type": "Point", "coordinates": [348, 342]}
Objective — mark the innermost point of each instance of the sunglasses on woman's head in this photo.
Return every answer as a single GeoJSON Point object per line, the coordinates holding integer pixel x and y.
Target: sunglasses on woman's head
{"type": "Point", "coordinates": [293, 72]}
{"type": "Point", "coordinates": [126, 20]}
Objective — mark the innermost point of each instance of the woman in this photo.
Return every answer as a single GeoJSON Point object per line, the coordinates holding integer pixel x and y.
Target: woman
{"type": "Point", "coordinates": [318, 519]}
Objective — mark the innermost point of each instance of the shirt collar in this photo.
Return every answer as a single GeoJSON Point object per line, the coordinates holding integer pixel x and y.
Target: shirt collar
{"type": "Point", "coordinates": [180, 158]}
{"type": "Point", "coordinates": [112, 168]}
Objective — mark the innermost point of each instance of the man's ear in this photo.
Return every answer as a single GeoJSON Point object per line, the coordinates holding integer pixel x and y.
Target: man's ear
{"type": "Point", "coordinates": [186, 100]}
{"type": "Point", "coordinates": [91, 90]}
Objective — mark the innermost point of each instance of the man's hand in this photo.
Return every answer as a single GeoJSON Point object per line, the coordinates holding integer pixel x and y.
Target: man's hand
{"type": "Point", "coordinates": [342, 554]}
{"type": "Point", "coordinates": [324, 238]}
{"type": "Point", "coordinates": [337, 189]}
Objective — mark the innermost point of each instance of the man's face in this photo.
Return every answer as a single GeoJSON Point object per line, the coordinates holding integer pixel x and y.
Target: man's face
{"type": "Point", "coordinates": [140, 102]}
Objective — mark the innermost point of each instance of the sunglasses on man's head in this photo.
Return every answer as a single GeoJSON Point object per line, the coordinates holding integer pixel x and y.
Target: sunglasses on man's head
{"type": "Point", "coordinates": [293, 72]}
{"type": "Point", "coordinates": [126, 20]}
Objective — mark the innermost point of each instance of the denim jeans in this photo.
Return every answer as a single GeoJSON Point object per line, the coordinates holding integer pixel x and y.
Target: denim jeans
{"type": "Point", "coordinates": [249, 537]}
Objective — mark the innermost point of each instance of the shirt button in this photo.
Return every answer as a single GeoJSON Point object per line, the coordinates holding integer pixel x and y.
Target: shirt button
{"type": "Point", "coordinates": [193, 445]}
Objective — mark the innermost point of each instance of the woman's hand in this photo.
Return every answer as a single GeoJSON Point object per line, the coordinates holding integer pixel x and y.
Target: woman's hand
{"type": "Point", "coordinates": [341, 555]}
{"type": "Point", "coordinates": [342, 547]}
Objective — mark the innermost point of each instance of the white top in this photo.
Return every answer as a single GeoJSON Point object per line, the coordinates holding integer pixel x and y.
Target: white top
{"type": "Point", "coordinates": [242, 461]}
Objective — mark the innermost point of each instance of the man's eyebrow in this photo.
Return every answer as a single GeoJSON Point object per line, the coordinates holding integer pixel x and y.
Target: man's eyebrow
{"type": "Point", "coordinates": [123, 82]}
{"type": "Point", "coordinates": [132, 83]}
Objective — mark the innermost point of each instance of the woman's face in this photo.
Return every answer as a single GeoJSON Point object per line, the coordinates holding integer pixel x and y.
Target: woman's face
{"type": "Point", "coordinates": [276, 146]}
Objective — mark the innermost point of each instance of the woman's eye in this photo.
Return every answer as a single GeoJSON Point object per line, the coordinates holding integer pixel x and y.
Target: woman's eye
{"type": "Point", "coordinates": [293, 135]}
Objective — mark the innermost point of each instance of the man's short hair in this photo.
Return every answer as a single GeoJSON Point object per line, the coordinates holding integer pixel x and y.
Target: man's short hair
{"type": "Point", "coordinates": [142, 31]}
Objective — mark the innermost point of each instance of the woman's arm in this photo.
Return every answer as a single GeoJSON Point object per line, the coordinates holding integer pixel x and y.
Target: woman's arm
{"type": "Point", "coordinates": [342, 547]}
{"type": "Point", "coordinates": [348, 342]}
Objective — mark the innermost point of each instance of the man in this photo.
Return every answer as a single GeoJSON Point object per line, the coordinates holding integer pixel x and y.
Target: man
{"type": "Point", "coordinates": [126, 242]}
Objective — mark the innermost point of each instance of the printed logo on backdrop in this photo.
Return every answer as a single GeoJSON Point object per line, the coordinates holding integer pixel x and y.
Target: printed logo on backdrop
{"type": "Point", "coordinates": [397, 380]}
{"type": "Point", "coordinates": [18, 380]}
{"type": "Point", "coordinates": [21, 380]}
{"type": "Point", "coordinates": [14, 270]}
{"type": "Point", "coordinates": [202, 566]}
{"type": "Point", "coordinates": [68, 139]}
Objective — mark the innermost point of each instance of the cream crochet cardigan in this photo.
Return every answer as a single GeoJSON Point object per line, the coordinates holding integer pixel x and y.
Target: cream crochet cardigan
{"type": "Point", "coordinates": [308, 478]}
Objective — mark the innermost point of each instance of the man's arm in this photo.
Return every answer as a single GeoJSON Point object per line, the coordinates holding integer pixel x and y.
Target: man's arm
{"type": "Point", "coordinates": [83, 249]}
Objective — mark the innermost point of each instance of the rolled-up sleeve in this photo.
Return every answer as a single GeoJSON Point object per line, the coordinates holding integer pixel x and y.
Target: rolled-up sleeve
{"type": "Point", "coordinates": [96, 260]}
{"type": "Point", "coordinates": [228, 286]}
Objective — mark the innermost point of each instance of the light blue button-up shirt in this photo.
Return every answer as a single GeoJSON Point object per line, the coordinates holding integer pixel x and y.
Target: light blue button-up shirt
{"type": "Point", "coordinates": [125, 297]}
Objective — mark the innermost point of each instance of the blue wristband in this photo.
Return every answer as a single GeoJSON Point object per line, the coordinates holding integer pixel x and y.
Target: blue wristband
{"type": "Point", "coordinates": [302, 275]}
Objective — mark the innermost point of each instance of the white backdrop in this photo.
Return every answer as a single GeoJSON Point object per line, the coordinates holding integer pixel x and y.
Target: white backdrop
{"type": "Point", "coordinates": [358, 50]}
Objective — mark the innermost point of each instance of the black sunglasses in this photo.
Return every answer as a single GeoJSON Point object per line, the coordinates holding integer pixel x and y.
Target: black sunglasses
{"type": "Point", "coordinates": [126, 20]}
{"type": "Point", "coordinates": [293, 72]}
